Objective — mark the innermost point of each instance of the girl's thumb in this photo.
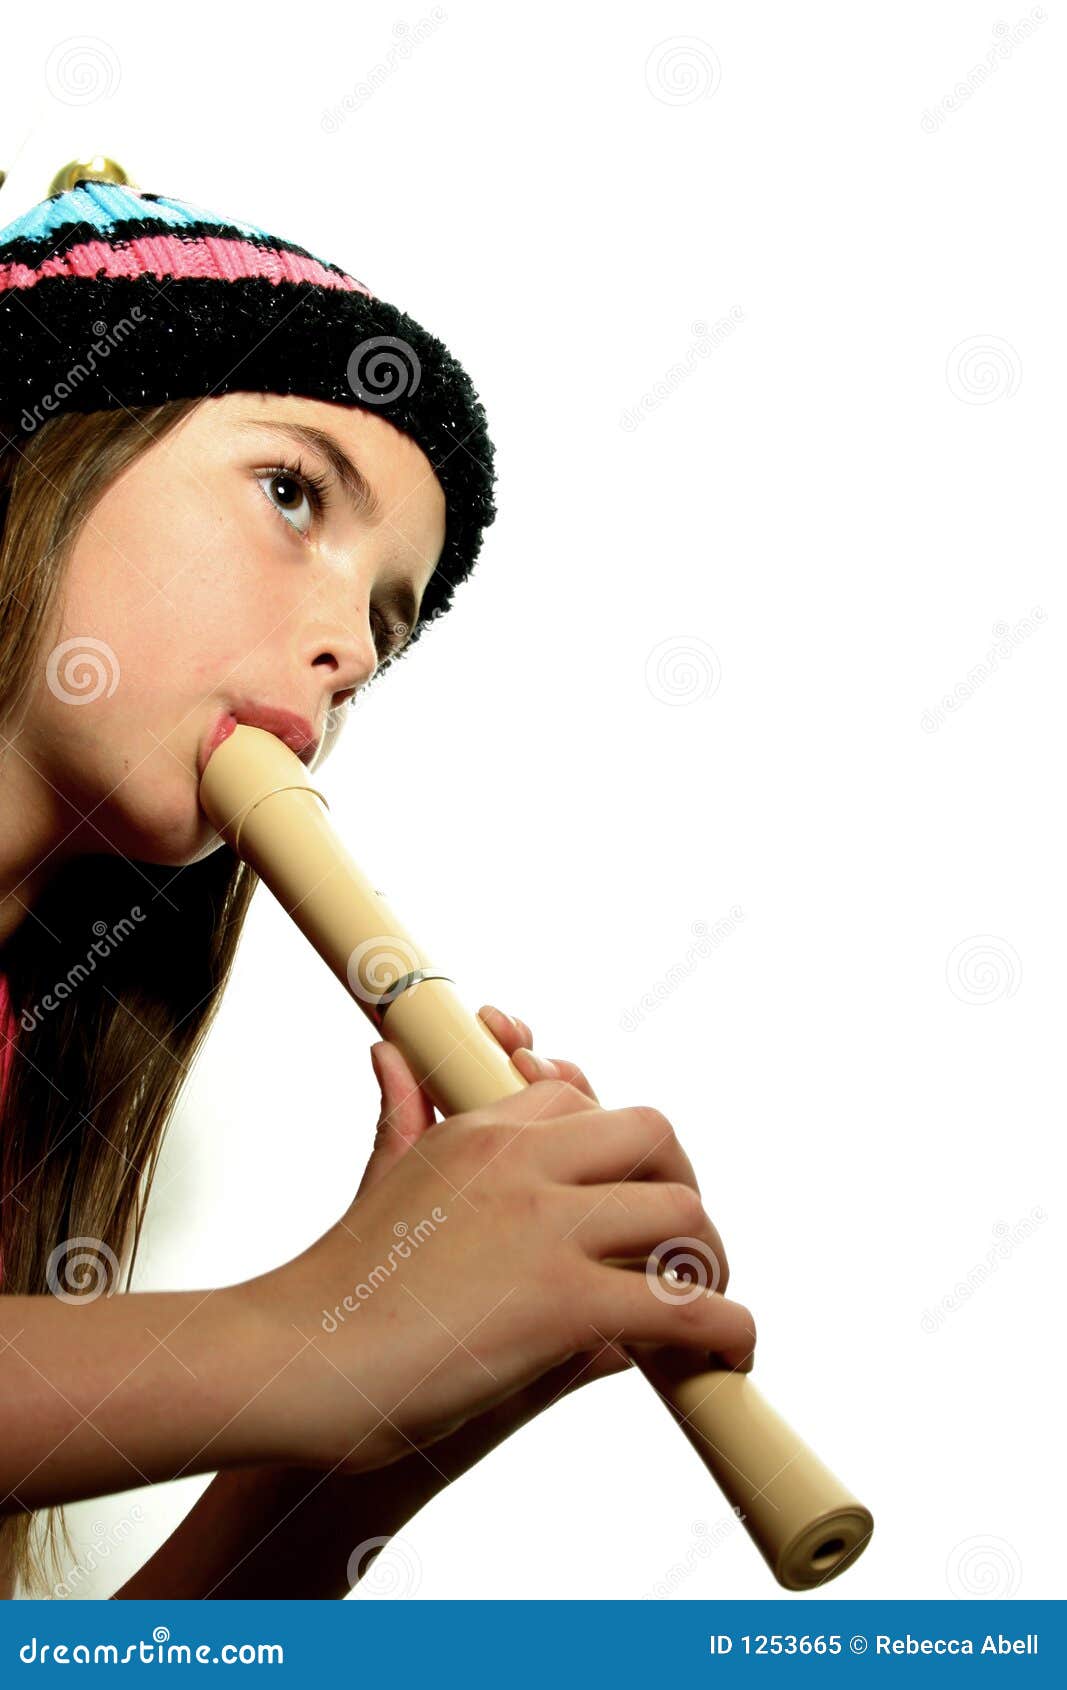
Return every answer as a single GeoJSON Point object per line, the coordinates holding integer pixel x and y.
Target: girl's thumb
{"type": "Point", "coordinates": [405, 1111]}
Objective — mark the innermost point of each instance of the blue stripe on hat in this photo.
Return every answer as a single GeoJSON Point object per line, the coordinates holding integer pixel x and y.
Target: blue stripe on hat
{"type": "Point", "coordinates": [102, 205]}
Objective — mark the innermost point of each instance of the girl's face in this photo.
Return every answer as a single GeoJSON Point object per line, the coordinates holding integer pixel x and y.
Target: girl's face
{"type": "Point", "coordinates": [207, 579]}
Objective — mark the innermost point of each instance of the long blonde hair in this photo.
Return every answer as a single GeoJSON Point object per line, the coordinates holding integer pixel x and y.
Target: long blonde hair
{"type": "Point", "coordinates": [93, 1083]}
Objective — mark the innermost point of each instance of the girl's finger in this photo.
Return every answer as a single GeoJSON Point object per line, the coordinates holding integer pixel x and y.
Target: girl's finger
{"type": "Point", "coordinates": [638, 1218]}
{"type": "Point", "coordinates": [507, 1029]}
{"type": "Point", "coordinates": [504, 1029]}
{"type": "Point", "coordinates": [718, 1325]}
{"type": "Point", "coordinates": [406, 1109]}
{"type": "Point", "coordinates": [515, 1035]}
{"type": "Point", "coordinates": [571, 1071]}
{"type": "Point", "coordinates": [406, 1112]}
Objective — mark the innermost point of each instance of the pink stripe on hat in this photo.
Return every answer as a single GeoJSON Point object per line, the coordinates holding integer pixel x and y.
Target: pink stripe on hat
{"type": "Point", "coordinates": [204, 257]}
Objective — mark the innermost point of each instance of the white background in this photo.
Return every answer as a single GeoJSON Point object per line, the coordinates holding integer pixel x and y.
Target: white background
{"type": "Point", "coordinates": [692, 670]}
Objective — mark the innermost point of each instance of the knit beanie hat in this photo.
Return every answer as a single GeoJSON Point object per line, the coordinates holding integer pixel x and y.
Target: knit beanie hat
{"type": "Point", "coordinates": [113, 297]}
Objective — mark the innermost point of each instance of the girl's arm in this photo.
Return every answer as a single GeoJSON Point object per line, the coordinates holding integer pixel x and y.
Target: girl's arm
{"type": "Point", "coordinates": [285, 1533]}
{"type": "Point", "coordinates": [100, 1395]}
{"type": "Point", "coordinates": [278, 1532]}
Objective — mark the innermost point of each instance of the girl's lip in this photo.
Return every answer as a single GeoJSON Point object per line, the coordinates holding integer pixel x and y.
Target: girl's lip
{"type": "Point", "coordinates": [294, 731]}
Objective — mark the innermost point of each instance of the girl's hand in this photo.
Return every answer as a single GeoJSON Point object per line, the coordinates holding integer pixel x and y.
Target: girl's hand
{"type": "Point", "coordinates": [406, 1111]}
{"type": "Point", "coordinates": [511, 1288]}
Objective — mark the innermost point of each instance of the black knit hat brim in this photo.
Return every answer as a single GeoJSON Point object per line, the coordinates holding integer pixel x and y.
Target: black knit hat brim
{"type": "Point", "coordinates": [85, 345]}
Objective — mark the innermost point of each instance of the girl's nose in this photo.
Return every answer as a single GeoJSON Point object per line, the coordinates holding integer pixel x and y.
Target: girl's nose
{"type": "Point", "coordinates": [344, 653]}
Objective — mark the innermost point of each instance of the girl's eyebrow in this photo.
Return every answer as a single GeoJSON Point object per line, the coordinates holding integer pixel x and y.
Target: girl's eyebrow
{"type": "Point", "coordinates": [361, 494]}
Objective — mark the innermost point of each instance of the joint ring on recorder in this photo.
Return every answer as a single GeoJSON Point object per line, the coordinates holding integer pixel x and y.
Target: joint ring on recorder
{"type": "Point", "coordinates": [377, 1012]}
{"type": "Point", "coordinates": [302, 787]}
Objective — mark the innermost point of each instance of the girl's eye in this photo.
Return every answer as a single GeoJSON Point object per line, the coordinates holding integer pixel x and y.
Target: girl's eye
{"type": "Point", "coordinates": [387, 640]}
{"type": "Point", "coordinates": [290, 488]}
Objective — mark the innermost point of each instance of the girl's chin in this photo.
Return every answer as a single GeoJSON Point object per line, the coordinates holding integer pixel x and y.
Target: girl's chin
{"type": "Point", "coordinates": [173, 836]}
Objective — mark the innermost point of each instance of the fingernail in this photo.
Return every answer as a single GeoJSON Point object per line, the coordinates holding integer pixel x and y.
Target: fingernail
{"type": "Point", "coordinates": [541, 1065]}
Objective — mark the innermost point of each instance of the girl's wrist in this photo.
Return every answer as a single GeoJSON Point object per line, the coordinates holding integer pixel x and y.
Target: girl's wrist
{"type": "Point", "coordinates": [269, 1407]}
{"type": "Point", "coordinates": [298, 1408]}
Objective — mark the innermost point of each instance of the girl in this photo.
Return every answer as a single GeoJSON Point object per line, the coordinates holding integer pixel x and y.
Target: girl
{"type": "Point", "coordinates": [234, 485]}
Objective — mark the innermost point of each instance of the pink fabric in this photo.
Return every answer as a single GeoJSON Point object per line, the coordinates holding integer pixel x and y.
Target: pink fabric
{"type": "Point", "coordinates": [167, 255]}
{"type": "Point", "coordinates": [8, 1028]}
